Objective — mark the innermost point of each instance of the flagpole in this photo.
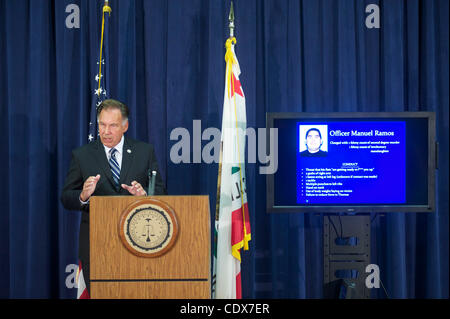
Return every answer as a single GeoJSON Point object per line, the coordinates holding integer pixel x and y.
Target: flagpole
{"type": "Point", "coordinates": [219, 177]}
{"type": "Point", "coordinates": [230, 233]}
{"type": "Point", "coordinates": [231, 20]}
{"type": "Point", "coordinates": [229, 57]}
{"type": "Point", "coordinates": [106, 8]}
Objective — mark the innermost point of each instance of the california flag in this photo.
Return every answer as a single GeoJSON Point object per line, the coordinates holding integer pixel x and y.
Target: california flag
{"type": "Point", "coordinates": [232, 217]}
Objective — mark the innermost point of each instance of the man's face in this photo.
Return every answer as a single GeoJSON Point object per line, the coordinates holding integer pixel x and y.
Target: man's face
{"type": "Point", "coordinates": [313, 141]}
{"type": "Point", "coordinates": [111, 127]}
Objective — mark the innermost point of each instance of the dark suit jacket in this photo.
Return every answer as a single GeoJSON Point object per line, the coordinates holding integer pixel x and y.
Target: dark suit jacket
{"type": "Point", "coordinates": [90, 160]}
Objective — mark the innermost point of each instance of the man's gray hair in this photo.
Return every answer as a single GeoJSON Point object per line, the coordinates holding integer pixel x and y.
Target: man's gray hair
{"type": "Point", "coordinates": [114, 104]}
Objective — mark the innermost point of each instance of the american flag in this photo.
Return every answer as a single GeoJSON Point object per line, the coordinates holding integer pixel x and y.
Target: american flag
{"type": "Point", "coordinates": [101, 80]}
{"type": "Point", "coordinates": [100, 93]}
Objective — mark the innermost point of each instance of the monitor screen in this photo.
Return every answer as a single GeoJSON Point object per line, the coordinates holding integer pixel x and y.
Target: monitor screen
{"type": "Point", "coordinates": [353, 162]}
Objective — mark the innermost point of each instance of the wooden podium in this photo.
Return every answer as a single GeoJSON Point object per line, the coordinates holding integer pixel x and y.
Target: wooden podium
{"type": "Point", "coordinates": [181, 272]}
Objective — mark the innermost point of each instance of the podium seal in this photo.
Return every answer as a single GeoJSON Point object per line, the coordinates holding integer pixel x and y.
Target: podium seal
{"type": "Point", "coordinates": [148, 228]}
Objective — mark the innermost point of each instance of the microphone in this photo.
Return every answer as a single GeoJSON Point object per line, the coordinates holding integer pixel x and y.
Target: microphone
{"type": "Point", "coordinates": [151, 182]}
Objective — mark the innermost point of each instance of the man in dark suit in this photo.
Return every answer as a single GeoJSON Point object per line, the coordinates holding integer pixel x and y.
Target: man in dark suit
{"type": "Point", "coordinates": [111, 165]}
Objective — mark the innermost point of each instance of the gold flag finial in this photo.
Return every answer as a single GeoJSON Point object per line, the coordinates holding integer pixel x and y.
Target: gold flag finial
{"type": "Point", "coordinates": [106, 7]}
{"type": "Point", "coordinates": [231, 20]}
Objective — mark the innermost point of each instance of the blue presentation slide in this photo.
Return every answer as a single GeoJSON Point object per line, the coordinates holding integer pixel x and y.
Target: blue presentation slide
{"type": "Point", "coordinates": [351, 163]}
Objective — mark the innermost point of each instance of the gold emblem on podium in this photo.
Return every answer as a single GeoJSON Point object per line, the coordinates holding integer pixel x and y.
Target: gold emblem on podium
{"type": "Point", "coordinates": [148, 228]}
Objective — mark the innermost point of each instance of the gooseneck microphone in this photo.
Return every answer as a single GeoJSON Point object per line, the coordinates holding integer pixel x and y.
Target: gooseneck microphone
{"type": "Point", "coordinates": [151, 182]}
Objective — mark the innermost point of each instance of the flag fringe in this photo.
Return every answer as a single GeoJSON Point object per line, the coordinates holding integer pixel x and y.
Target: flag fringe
{"type": "Point", "coordinates": [236, 248]}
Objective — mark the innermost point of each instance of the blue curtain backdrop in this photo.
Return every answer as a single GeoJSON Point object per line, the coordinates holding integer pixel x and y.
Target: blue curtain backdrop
{"type": "Point", "coordinates": [167, 64]}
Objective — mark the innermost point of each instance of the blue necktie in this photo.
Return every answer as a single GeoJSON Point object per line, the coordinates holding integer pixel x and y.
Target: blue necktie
{"type": "Point", "coordinates": [115, 169]}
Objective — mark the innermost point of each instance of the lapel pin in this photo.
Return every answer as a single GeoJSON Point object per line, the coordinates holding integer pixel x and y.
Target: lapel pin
{"type": "Point", "coordinates": [128, 151]}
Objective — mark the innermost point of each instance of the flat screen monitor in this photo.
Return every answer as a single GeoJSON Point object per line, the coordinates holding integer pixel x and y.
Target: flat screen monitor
{"type": "Point", "coordinates": [353, 162]}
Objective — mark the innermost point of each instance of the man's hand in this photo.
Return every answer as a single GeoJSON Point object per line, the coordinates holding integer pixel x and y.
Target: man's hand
{"type": "Point", "coordinates": [135, 189]}
{"type": "Point", "coordinates": [89, 187]}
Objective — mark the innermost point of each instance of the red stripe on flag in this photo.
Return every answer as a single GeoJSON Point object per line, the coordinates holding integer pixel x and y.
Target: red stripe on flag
{"type": "Point", "coordinates": [236, 86]}
{"type": "Point", "coordinates": [237, 225]}
{"type": "Point", "coordinates": [85, 294]}
{"type": "Point", "coordinates": [238, 286]}
{"type": "Point", "coordinates": [82, 292]}
{"type": "Point", "coordinates": [240, 236]}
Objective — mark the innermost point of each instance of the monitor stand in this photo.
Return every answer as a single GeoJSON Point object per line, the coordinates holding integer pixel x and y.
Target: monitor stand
{"type": "Point", "coordinates": [346, 254]}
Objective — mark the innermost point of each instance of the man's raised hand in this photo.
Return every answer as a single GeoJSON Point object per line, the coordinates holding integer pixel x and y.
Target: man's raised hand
{"type": "Point", "coordinates": [89, 187]}
{"type": "Point", "coordinates": [135, 189]}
